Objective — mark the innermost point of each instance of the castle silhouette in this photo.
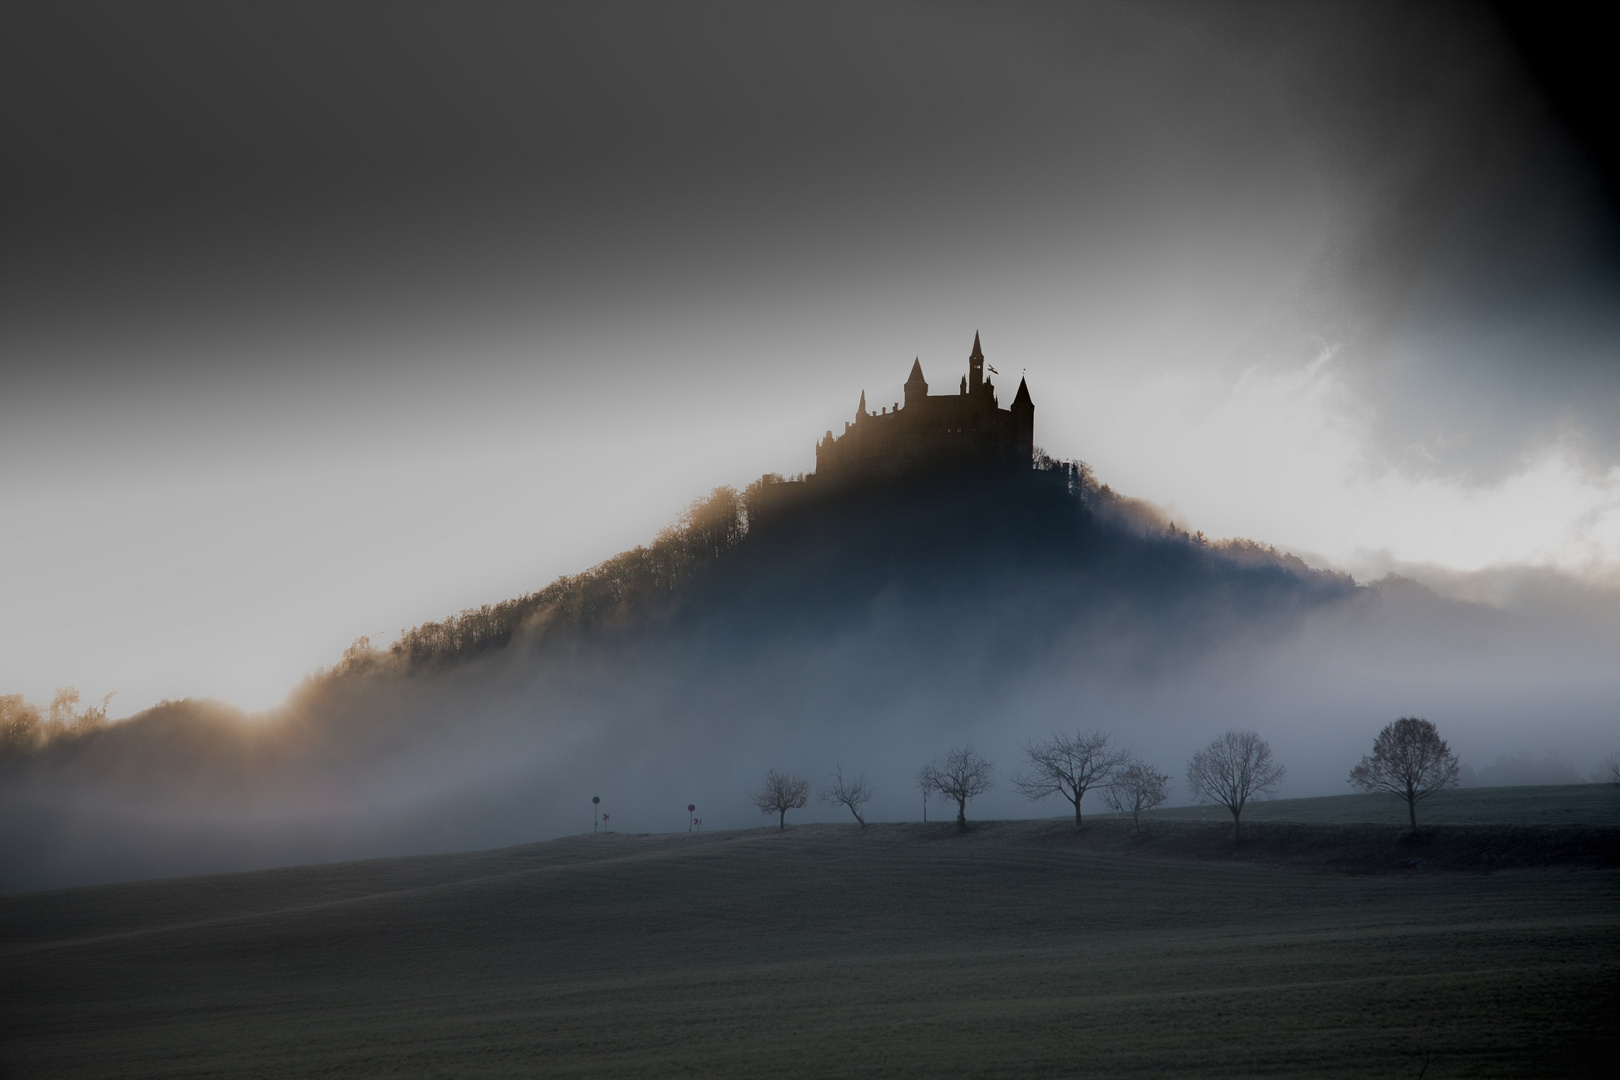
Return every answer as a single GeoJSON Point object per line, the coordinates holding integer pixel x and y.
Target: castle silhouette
{"type": "Point", "coordinates": [966, 427]}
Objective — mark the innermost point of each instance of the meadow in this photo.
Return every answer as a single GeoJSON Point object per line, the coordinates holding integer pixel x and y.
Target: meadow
{"type": "Point", "coordinates": [1561, 804]}
{"type": "Point", "coordinates": [1017, 950]}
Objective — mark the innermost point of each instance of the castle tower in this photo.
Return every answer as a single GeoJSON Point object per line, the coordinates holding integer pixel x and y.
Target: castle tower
{"type": "Point", "coordinates": [975, 366]}
{"type": "Point", "coordinates": [1023, 423]}
{"type": "Point", "coordinates": [916, 385]}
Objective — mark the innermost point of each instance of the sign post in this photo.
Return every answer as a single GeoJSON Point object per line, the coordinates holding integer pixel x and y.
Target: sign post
{"type": "Point", "coordinates": [596, 800]}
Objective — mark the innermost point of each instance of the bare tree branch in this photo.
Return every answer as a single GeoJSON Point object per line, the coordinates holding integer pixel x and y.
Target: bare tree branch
{"type": "Point", "coordinates": [782, 792]}
{"type": "Point", "coordinates": [961, 775]}
{"type": "Point", "coordinates": [1231, 770]}
{"type": "Point", "coordinates": [1136, 786]}
{"type": "Point", "coordinates": [1409, 759]}
{"type": "Point", "coordinates": [1067, 765]}
{"type": "Point", "coordinates": [851, 793]}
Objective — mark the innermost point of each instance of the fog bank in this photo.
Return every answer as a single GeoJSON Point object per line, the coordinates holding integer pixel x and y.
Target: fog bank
{"type": "Point", "coordinates": [870, 627]}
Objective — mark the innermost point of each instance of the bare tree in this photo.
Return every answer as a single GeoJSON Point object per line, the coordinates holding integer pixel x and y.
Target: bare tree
{"type": "Point", "coordinates": [1231, 770]}
{"type": "Point", "coordinates": [782, 792]}
{"type": "Point", "coordinates": [1067, 765]}
{"type": "Point", "coordinates": [1613, 775]}
{"type": "Point", "coordinates": [1409, 759]}
{"type": "Point", "coordinates": [1136, 786]}
{"type": "Point", "coordinates": [851, 793]}
{"type": "Point", "coordinates": [961, 775]}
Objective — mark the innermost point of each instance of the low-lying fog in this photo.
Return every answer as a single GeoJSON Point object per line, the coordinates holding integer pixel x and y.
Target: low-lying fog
{"type": "Point", "coordinates": [873, 630]}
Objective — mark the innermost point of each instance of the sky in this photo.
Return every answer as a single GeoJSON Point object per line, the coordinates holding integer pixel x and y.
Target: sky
{"type": "Point", "coordinates": [322, 320]}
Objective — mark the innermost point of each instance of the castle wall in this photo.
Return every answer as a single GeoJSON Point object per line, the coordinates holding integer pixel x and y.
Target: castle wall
{"type": "Point", "coordinates": [966, 426]}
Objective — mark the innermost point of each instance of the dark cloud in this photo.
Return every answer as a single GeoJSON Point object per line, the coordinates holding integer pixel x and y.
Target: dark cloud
{"type": "Point", "coordinates": [186, 180]}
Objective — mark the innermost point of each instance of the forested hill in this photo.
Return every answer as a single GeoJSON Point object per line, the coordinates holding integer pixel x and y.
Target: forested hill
{"type": "Point", "coordinates": [783, 555]}
{"type": "Point", "coordinates": [788, 621]}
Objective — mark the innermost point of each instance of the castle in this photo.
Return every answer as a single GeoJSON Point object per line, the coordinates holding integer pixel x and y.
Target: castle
{"type": "Point", "coordinates": [966, 427]}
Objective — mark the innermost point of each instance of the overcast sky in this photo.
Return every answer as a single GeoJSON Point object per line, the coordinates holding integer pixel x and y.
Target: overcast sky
{"type": "Point", "coordinates": [324, 320]}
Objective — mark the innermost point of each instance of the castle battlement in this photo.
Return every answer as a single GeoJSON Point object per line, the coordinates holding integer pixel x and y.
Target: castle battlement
{"type": "Point", "coordinates": [968, 427]}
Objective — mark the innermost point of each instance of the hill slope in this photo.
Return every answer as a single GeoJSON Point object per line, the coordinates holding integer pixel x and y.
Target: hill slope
{"type": "Point", "coordinates": [823, 951]}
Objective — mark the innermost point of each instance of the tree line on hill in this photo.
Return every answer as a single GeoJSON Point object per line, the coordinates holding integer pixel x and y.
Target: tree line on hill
{"type": "Point", "coordinates": [25, 728]}
{"type": "Point", "coordinates": [645, 581]}
{"type": "Point", "coordinates": [634, 584]}
{"type": "Point", "coordinates": [1409, 759]}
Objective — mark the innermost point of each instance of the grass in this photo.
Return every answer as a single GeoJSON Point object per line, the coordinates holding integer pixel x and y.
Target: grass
{"type": "Point", "coordinates": [1562, 804]}
{"type": "Point", "coordinates": [1019, 950]}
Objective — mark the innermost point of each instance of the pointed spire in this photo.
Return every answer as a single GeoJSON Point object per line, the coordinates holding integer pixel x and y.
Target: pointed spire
{"type": "Point", "coordinates": [916, 386]}
{"type": "Point", "coordinates": [975, 379]}
{"type": "Point", "coordinates": [860, 410]}
{"type": "Point", "coordinates": [1023, 397]}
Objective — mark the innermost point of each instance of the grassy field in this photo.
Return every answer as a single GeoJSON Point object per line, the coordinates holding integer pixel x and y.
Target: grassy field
{"type": "Point", "coordinates": [1564, 804]}
{"type": "Point", "coordinates": [1017, 950]}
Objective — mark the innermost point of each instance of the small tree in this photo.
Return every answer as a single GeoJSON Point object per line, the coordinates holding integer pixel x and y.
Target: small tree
{"type": "Point", "coordinates": [24, 728]}
{"type": "Point", "coordinates": [961, 775]}
{"type": "Point", "coordinates": [1409, 759]}
{"type": "Point", "coordinates": [851, 793]}
{"type": "Point", "coordinates": [1231, 770]}
{"type": "Point", "coordinates": [1067, 765]}
{"type": "Point", "coordinates": [64, 718]}
{"type": "Point", "coordinates": [782, 792]}
{"type": "Point", "coordinates": [1136, 786]}
{"type": "Point", "coordinates": [20, 728]}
